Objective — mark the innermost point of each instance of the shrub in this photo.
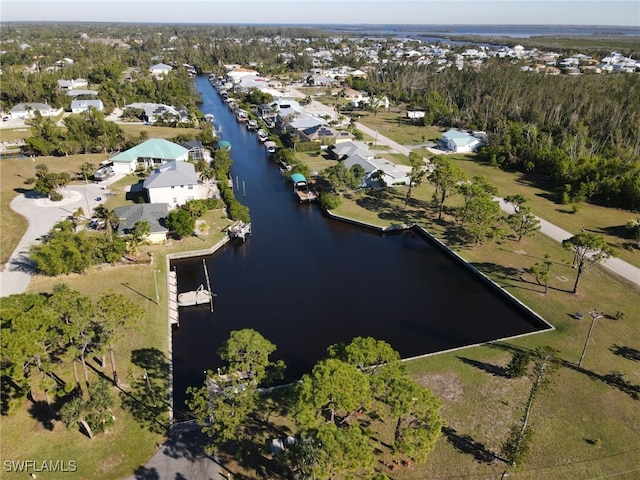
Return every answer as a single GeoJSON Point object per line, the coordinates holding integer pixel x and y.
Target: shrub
{"type": "Point", "coordinates": [329, 201]}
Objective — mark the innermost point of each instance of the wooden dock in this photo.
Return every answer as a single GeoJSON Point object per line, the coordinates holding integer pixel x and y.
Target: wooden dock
{"type": "Point", "coordinates": [173, 298]}
{"type": "Point", "coordinates": [305, 195]}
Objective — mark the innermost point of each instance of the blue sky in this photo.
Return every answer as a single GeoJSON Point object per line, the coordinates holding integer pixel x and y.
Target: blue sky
{"type": "Point", "coordinates": [508, 12]}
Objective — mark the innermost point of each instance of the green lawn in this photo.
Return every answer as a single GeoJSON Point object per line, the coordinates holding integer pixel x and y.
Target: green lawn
{"type": "Point", "coordinates": [139, 426]}
{"type": "Point", "coordinates": [585, 407]}
{"type": "Point", "coordinates": [13, 174]}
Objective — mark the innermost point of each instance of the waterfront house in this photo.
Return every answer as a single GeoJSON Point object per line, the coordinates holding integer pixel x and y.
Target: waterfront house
{"type": "Point", "coordinates": [159, 70]}
{"type": "Point", "coordinates": [150, 153]}
{"type": "Point", "coordinates": [174, 183]}
{"type": "Point", "coordinates": [379, 170]}
{"type": "Point", "coordinates": [154, 214]}
{"type": "Point", "coordinates": [196, 150]}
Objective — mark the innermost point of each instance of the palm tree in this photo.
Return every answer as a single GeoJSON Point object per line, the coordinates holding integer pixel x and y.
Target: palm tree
{"type": "Point", "coordinates": [110, 218]}
{"type": "Point", "coordinates": [86, 169]}
{"type": "Point", "coordinates": [74, 411]}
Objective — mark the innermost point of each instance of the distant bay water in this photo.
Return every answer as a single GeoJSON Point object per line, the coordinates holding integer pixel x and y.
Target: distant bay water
{"type": "Point", "coordinates": [443, 32]}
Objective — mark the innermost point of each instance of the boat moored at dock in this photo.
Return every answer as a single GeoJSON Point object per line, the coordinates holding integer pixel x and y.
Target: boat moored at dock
{"type": "Point", "coordinates": [301, 188]}
{"type": "Point", "coordinates": [200, 296]}
{"type": "Point", "coordinates": [263, 136]}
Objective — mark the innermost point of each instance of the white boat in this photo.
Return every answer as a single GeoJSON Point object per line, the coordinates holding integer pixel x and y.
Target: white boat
{"type": "Point", "coordinates": [263, 136]}
{"type": "Point", "coordinates": [270, 146]}
{"type": "Point", "coordinates": [194, 297]}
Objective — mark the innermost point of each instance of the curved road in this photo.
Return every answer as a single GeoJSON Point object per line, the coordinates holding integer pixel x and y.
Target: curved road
{"type": "Point", "coordinates": [42, 214]}
{"type": "Point", "coordinates": [615, 265]}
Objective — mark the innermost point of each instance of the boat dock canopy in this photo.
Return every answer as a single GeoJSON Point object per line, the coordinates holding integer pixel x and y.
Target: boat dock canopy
{"type": "Point", "coordinates": [297, 178]}
{"type": "Point", "coordinates": [224, 145]}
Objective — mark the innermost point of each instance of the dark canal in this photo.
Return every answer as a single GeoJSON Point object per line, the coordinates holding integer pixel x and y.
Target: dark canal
{"type": "Point", "coordinates": [305, 281]}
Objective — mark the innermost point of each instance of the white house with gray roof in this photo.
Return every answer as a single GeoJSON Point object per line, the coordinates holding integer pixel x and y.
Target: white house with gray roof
{"type": "Point", "coordinates": [346, 149]}
{"type": "Point", "coordinates": [174, 183]}
{"type": "Point", "coordinates": [79, 106]}
{"type": "Point", "coordinates": [377, 169]}
{"type": "Point", "coordinates": [28, 110]}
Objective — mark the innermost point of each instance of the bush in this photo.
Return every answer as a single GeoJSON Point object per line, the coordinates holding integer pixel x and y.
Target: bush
{"type": "Point", "coordinates": [181, 223]}
{"type": "Point", "coordinates": [330, 201]}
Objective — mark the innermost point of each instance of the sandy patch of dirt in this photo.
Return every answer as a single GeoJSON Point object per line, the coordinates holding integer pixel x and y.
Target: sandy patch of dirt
{"type": "Point", "coordinates": [445, 385]}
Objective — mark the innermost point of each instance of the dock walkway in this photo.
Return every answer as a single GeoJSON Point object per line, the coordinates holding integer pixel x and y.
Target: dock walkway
{"type": "Point", "coordinates": [173, 298]}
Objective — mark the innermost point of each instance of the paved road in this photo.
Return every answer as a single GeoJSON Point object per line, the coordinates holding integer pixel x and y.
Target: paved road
{"type": "Point", "coordinates": [182, 456]}
{"type": "Point", "coordinates": [42, 214]}
{"type": "Point", "coordinates": [622, 268]}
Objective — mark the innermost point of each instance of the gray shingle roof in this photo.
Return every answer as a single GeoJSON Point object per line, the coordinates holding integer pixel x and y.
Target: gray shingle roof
{"type": "Point", "coordinates": [172, 174]}
{"type": "Point", "coordinates": [152, 213]}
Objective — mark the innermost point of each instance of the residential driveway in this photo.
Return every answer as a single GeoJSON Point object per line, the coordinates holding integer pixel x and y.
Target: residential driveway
{"type": "Point", "coordinates": [42, 214]}
{"type": "Point", "coordinates": [182, 457]}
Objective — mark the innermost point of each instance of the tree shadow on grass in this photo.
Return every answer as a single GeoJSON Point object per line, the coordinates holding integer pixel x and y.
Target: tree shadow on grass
{"type": "Point", "coordinates": [495, 370]}
{"type": "Point", "coordinates": [46, 413]}
{"type": "Point", "coordinates": [613, 379]}
{"type": "Point", "coordinates": [467, 445]}
{"type": "Point", "coordinates": [147, 398]}
{"type": "Point", "coordinates": [626, 352]}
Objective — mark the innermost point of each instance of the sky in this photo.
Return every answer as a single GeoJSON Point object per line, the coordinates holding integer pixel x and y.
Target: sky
{"type": "Point", "coordinates": [427, 12]}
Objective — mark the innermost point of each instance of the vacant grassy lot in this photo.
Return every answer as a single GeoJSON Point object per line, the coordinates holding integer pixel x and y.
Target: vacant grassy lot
{"type": "Point", "coordinates": [140, 426]}
{"type": "Point", "coordinates": [586, 425]}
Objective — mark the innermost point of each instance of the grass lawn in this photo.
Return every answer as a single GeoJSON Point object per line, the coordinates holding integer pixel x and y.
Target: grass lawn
{"type": "Point", "coordinates": [587, 424]}
{"type": "Point", "coordinates": [13, 173]}
{"type": "Point", "coordinates": [134, 130]}
{"type": "Point", "coordinates": [139, 426]}
{"type": "Point", "coordinates": [608, 222]}
{"type": "Point", "coordinates": [14, 134]}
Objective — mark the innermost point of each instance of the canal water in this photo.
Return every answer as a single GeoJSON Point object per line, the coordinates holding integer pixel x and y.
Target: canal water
{"type": "Point", "coordinates": [305, 281]}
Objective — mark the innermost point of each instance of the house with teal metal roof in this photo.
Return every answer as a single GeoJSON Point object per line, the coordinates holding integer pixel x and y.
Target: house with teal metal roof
{"type": "Point", "coordinates": [149, 154]}
{"type": "Point", "coordinates": [459, 142]}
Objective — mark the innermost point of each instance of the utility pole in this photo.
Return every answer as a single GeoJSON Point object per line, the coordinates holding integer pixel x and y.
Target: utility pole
{"type": "Point", "coordinates": [155, 281]}
{"type": "Point", "coordinates": [595, 314]}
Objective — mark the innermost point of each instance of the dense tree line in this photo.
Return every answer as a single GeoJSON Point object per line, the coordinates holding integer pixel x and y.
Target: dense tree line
{"type": "Point", "coordinates": [583, 131]}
